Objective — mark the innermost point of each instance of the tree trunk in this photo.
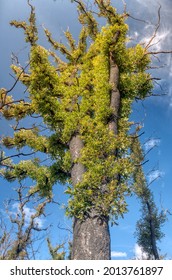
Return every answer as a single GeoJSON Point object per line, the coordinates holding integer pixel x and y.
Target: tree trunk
{"type": "Point", "coordinates": [152, 230]}
{"type": "Point", "coordinates": [78, 169]}
{"type": "Point", "coordinates": [115, 94]}
{"type": "Point", "coordinates": [91, 238]}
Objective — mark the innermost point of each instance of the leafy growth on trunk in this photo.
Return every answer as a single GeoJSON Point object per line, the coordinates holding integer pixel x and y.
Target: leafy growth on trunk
{"type": "Point", "coordinates": [73, 97]}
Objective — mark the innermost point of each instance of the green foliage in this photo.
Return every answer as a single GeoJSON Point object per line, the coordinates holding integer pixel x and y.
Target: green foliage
{"type": "Point", "coordinates": [30, 30]}
{"type": "Point", "coordinates": [27, 137]}
{"type": "Point", "coordinates": [54, 251]}
{"type": "Point", "coordinates": [73, 97]}
{"type": "Point", "coordinates": [58, 252]}
{"type": "Point", "coordinates": [143, 226]}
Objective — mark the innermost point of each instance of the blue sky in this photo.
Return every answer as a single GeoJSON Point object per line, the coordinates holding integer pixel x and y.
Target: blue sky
{"type": "Point", "coordinates": [155, 113]}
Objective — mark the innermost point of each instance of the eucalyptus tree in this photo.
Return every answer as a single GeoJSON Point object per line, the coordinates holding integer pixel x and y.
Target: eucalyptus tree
{"type": "Point", "coordinates": [84, 98]}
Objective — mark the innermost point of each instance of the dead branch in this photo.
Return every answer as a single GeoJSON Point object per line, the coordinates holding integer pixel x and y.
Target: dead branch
{"type": "Point", "coordinates": [92, 21]}
{"type": "Point", "coordinates": [24, 225]}
{"type": "Point", "coordinates": [141, 164]}
{"type": "Point", "coordinates": [141, 20]}
{"type": "Point", "coordinates": [158, 52]}
{"type": "Point", "coordinates": [18, 78]}
{"type": "Point", "coordinates": [152, 181]}
{"type": "Point", "coordinates": [16, 155]}
{"type": "Point", "coordinates": [135, 136]}
{"type": "Point", "coordinates": [66, 229]}
{"type": "Point", "coordinates": [156, 29]}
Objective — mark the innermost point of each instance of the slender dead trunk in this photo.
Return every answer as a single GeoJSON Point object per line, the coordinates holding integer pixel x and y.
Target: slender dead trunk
{"type": "Point", "coordinates": [152, 230]}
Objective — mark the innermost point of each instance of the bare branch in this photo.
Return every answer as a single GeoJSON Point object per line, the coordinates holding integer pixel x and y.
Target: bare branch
{"type": "Point", "coordinates": [156, 178]}
{"type": "Point", "coordinates": [67, 229]}
{"type": "Point", "coordinates": [23, 224]}
{"type": "Point", "coordinates": [141, 164]}
{"type": "Point", "coordinates": [125, 6]}
{"type": "Point", "coordinates": [158, 52]}
{"type": "Point", "coordinates": [141, 20]}
{"type": "Point", "coordinates": [156, 29]}
{"type": "Point", "coordinates": [18, 78]}
{"type": "Point", "coordinates": [16, 155]}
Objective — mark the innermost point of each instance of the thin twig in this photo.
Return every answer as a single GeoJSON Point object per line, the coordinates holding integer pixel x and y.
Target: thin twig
{"type": "Point", "coordinates": [156, 29]}
{"type": "Point", "coordinates": [18, 78]}
{"type": "Point", "coordinates": [17, 155]}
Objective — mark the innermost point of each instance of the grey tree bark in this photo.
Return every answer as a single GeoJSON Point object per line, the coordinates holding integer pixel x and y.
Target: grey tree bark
{"type": "Point", "coordinates": [91, 238]}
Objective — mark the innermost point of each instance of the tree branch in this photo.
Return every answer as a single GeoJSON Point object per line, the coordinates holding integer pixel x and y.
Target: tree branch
{"type": "Point", "coordinates": [156, 29]}
{"type": "Point", "coordinates": [18, 78]}
{"type": "Point", "coordinates": [16, 155]}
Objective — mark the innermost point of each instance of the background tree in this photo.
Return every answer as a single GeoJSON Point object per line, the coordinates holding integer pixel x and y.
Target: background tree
{"type": "Point", "coordinates": [148, 228]}
{"type": "Point", "coordinates": [19, 225]}
{"type": "Point", "coordinates": [58, 252]}
{"type": "Point", "coordinates": [84, 99]}
{"type": "Point", "coordinates": [55, 251]}
{"type": "Point", "coordinates": [5, 239]}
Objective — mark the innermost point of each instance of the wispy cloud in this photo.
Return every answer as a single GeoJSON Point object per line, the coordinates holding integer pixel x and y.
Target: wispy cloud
{"type": "Point", "coordinates": [157, 44]}
{"type": "Point", "coordinates": [169, 64]}
{"type": "Point", "coordinates": [139, 253]}
{"type": "Point", "coordinates": [145, 3]}
{"type": "Point", "coordinates": [155, 174]}
{"type": "Point", "coordinates": [116, 254]}
{"type": "Point", "coordinates": [29, 212]}
{"type": "Point", "coordinates": [151, 143]}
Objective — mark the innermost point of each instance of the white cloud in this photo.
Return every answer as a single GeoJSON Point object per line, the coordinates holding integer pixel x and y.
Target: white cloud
{"type": "Point", "coordinates": [136, 34]}
{"type": "Point", "coordinates": [139, 253]}
{"type": "Point", "coordinates": [28, 213]}
{"type": "Point", "coordinates": [157, 43]}
{"type": "Point", "coordinates": [145, 3]}
{"type": "Point", "coordinates": [118, 254]}
{"type": "Point", "coordinates": [151, 143]}
{"type": "Point", "coordinates": [155, 175]}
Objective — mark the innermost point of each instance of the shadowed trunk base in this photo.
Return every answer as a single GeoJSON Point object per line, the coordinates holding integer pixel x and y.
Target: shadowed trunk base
{"type": "Point", "coordinates": [91, 239]}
